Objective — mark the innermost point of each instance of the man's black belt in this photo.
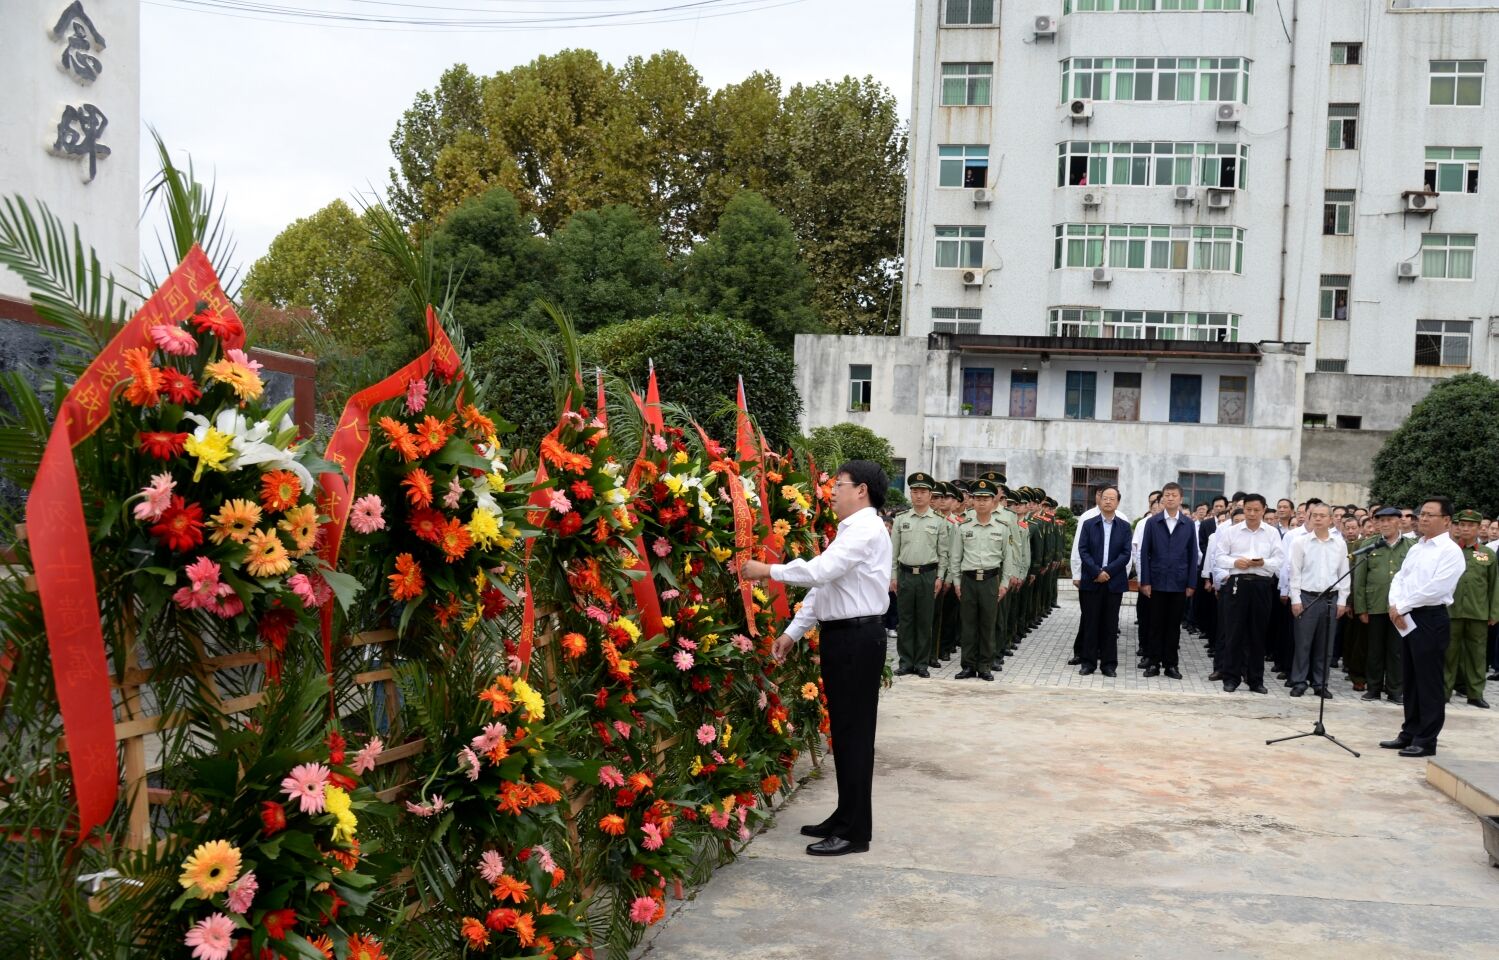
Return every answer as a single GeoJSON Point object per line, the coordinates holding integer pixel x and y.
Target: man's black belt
{"type": "Point", "coordinates": [850, 622]}
{"type": "Point", "coordinates": [923, 568]}
{"type": "Point", "coordinates": [982, 575]}
{"type": "Point", "coordinates": [1251, 577]}
{"type": "Point", "coordinates": [1433, 608]}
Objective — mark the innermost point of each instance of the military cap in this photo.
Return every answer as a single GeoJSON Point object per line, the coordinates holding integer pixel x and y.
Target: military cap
{"type": "Point", "coordinates": [1027, 494]}
{"type": "Point", "coordinates": [1468, 516]}
{"type": "Point", "coordinates": [1050, 503]}
{"type": "Point", "coordinates": [1007, 492]}
{"type": "Point", "coordinates": [920, 481]}
{"type": "Point", "coordinates": [993, 476]}
{"type": "Point", "coordinates": [964, 487]}
{"type": "Point", "coordinates": [1387, 512]}
{"type": "Point", "coordinates": [984, 488]}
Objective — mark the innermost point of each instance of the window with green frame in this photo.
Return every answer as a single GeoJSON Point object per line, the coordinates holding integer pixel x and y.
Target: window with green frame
{"type": "Point", "coordinates": [1452, 169]}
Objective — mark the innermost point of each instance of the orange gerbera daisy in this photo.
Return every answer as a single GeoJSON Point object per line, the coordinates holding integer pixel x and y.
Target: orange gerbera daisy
{"type": "Point", "coordinates": [544, 793]}
{"type": "Point", "coordinates": [211, 869]}
{"type": "Point", "coordinates": [432, 435]}
{"type": "Point", "coordinates": [240, 377]}
{"type": "Point", "coordinates": [555, 453]}
{"type": "Point", "coordinates": [400, 439]}
{"type": "Point", "coordinates": [267, 556]}
{"type": "Point", "coordinates": [418, 484]}
{"type": "Point", "coordinates": [525, 929]}
{"type": "Point", "coordinates": [235, 521]}
{"type": "Point", "coordinates": [509, 888]}
{"type": "Point", "coordinates": [455, 539]}
{"type": "Point", "coordinates": [641, 782]}
{"type": "Point", "coordinates": [279, 490]}
{"type": "Point", "coordinates": [301, 523]}
{"type": "Point", "coordinates": [364, 947]}
{"type": "Point", "coordinates": [475, 933]}
{"type": "Point", "coordinates": [407, 581]}
{"type": "Point", "coordinates": [499, 700]}
{"type": "Point", "coordinates": [612, 824]}
{"type": "Point", "coordinates": [574, 645]}
{"type": "Point", "coordinates": [477, 422]}
{"type": "Point", "coordinates": [146, 381]}
{"type": "Point", "coordinates": [324, 944]}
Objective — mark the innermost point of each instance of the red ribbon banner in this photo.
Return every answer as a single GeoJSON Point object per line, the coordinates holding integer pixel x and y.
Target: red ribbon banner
{"type": "Point", "coordinates": [750, 451]}
{"type": "Point", "coordinates": [59, 540]}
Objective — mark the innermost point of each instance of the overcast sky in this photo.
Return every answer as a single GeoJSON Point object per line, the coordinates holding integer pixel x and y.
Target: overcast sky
{"type": "Point", "coordinates": [290, 116]}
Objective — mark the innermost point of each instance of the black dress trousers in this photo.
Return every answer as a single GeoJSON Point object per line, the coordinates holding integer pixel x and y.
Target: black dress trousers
{"type": "Point", "coordinates": [1424, 658]}
{"type": "Point", "coordinates": [853, 657]}
{"type": "Point", "coordinates": [1100, 627]}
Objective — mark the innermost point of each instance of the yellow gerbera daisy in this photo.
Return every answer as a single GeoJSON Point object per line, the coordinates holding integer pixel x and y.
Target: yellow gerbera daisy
{"type": "Point", "coordinates": [211, 868]}
{"type": "Point", "coordinates": [235, 521]}
{"type": "Point", "coordinates": [338, 803]}
{"type": "Point", "coordinates": [268, 556]}
{"type": "Point", "coordinates": [531, 700]}
{"type": "Point", "coordinates": [301, 523]}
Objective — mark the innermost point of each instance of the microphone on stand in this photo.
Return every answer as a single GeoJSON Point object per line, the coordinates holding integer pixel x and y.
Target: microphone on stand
{"type": "Point", "coordinates": [1369, 549]}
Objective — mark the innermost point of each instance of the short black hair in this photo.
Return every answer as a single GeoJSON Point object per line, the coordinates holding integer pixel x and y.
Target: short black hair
{"type": "Point", "coordinates": [872, 475]}
{"type": "Point", "coordinates": [1220, 497]}
{"type": "Point", "coordinates": [1444, 504]}
{"type": "Point", "coordinates": [1285, 500]}
{"type": "Point", "coordinates": [1253, 498]}
{"type": "Point", "coordinates": [1155, 495]}
{"type": "Point", "coordinates": [1238, 495]}
{"type": "Point", "coordinates": [1238, 512]}
{"type": "Point", "coordinates": [1108, 486]}
{"type": "Point", "coordinates": [1313, 502]}
{"type": "Point", "coordinates": [1173, 485]}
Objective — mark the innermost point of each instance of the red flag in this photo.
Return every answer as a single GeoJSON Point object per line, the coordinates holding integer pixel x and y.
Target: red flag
{"type": "Point", "coordinates": [747, 449]}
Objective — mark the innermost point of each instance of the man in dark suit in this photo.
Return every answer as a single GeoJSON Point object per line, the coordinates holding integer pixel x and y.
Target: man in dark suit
{"type": "Point", "coordinates": [1104, 554]}
{"type": "Point", "coordinates": [1205, 602]}
{"type": "Point", "coordinates": [1169, 564]}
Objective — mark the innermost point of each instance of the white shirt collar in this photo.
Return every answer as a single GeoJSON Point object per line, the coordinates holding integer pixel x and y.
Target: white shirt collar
{"type": "Point", "coordinates": [856, 515]}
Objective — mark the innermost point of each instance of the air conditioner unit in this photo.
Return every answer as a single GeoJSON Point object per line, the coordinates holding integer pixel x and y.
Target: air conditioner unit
{"type": "Point", "coordinates": [1419, 201]}
{"type": "Point", "coordinates": [1184, 194]}
{"type": "Point", "coordinates": [1080, 110]}
{"type": "Point", "coordinates": [1103, 275]}
{"type": "Point", "coordinates": [1093, 198]}
{"type": "Point", "coordinates": [982, 198]}
{"type": "Point", "coordinates": [973, 278]}
{"type": "Point", "coordinates": [1046, 27]}
{"type": "Point", "coordinates": [1220, 199]}
{"type": "Point", "coordinates": [1408, 270]}
{"type": "Point", "coordinates": [1231, 113]}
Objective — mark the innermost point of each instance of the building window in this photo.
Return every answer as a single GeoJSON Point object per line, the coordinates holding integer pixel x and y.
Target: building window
{"type": "Point", "coordinates": [1325, 365]}
{"type": "Point", "coordinates": [1457, 83]}
{"type": "Point", "coordinates": [1347, 53]}
{"type": "Point", "coordinates": [1452, 169]}
{"type": "Point", "coordinates": [860, 383]}
{"type": "Point", "coordinates": [1199, 488]}
{"type": "Point", "coordinates": [1082, 393]}
{"type": "Point", "coordinates": [897, 474]}
{"type": "Point", "coordinates": [1233, 400]}
{"type": "Point", "coordinates": [1084, 163]}
{"type": "Point", "coordinates": [1342, 126]}
{"type": "Point", "coordinates": [1337, 213]}
{"type": "Point", "coordinates": [1447, 256]}
{"type": "Point", "coordinates": [1146, 6]}
{"type": "Point", "coordinates": [1140, 246]}
{"type": "Point", "coordinates": [1332, 299]}
{"type": "Point", "coordinates": [1443, 343]}
{"type": "Point", "coordinates": [1087, 481]}
{"type": "Point", "coordinates": [963, 165]}
{"type": "Point", "coordinates": [1178, 79]}
{"type": "Point", "coordinates": [1143, 324]}
{"type": "Point", "coordinates": [968, 13]}
{"type": "Point", "coordinates": [978, 391]}
{"type": "Point", "coordinates": [973, 469]}
{"type": "Point", "coordinates": [1022, 393]}
{"type": "Point", "coordinates": [1346, 422]}
{"type": "Point", "coordinates": [966, 84]}
{"type": "Point", "coordinates": [960, 248]}
{"type": "Point", "coordinates": [1186, 398]}
{"type": "Point", "coordinates": [961, 320]}
{"type": "Point", "coordinates": [1314, 419]}
{"type": "Point", "coordinates": [1126, 396]}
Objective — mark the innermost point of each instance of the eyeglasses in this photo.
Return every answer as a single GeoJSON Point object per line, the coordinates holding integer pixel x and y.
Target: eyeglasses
{"type": "Point", "coordinates": [844, 483]}
{"type": "Point", "coordinates": [1408, 516]}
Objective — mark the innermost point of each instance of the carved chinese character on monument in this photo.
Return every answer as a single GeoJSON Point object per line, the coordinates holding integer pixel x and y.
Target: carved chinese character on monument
{"type": "Point", "coordinates": [83, 41]}
{"type": "Point", "coordinates": [78, 134]}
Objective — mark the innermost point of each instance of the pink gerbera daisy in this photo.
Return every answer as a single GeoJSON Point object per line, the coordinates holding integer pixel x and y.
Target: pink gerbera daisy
{"type": "Point", "coordinates": [742, 643]}
{"type": "Point", "coordinates": [314, 590]}
{"type": "Point", "coordinates": [491, 866]}
{"type": "Point", "coordinates": [493, 734]}
{"type": "Point", "coordinates": [706, 734]}
{"type": "Point", "coordinates": [642, 910]}
{"type": "Point", "coordinates": [544, 859]}
{"type": "Point", "coordinates": [661, 547]}
{"type": "Point", "coordinates": [559, 502]}
{"type": "Point", "coordinates": [364, 760]}
{"type": "Point", "coordinates": [210, 937]}
{"type": "Point", "coordinates": [243, 359]}
{"type": "Point", "coordinates": [470, 760]}
{"type": "Point", "coordinates": [659, 442]}
{"type": "Point", "coordinates": [416, 395]}
{"type": "Point", "coordinates": [305, 785]}
{"type": "Point", "coordinates": [242, 893]}
{"type": "Point", "coordinates": [652, 834]}
{"type": "Point", "coordinates": [173, 340]}
{"type": "Point", "coordinates": [454, 494]}
{"type": "Point", "coordinates": [623, 729]}
{"type": "Point", "coordinates": [611, 777]}
{"type": "Point", "coordinates": [368, 514]}
{"type": "Point", "coordinates": [203, 588]}
{"type": "Point", "coordinates": [683, 660]}
{"type": "Point", "coordinates": [155, 496]}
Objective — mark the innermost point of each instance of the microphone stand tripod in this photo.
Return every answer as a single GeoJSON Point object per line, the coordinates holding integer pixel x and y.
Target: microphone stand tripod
{"type": "Point", "coordinates": [1318, 729]}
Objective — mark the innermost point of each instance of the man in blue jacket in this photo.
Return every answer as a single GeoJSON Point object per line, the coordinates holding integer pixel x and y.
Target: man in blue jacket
{"type": "Point", "coordinates": [1168, 571]}
{"type": "Point", "coordinates": [1103, 554]}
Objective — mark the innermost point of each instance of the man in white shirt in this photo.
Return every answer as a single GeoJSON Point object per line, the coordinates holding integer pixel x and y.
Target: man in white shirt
{"type": "Point", "coordinates": [1419, 596]}
{"type": "Point", "coordinates": [1250, 557]}
{"type": "Point", "coordinates": [1142, 602]}
{"type": "Point", "coordinates": [849, 582]}
{"type": "Point", "coordinates": [1318, 562]}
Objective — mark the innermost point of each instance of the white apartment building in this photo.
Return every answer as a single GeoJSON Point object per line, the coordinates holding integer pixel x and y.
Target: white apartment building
{"type": "Point", "coordinates": [1182, 239]}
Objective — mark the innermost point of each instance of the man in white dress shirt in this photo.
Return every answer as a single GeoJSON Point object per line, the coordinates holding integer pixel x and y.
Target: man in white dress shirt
{"type": "Point", "coordinates": [1250, 557]}
{"type": "Point", "coordinates": [1318, 561]}
{"type": "Point", "coordinates": [850, 582]}
{"type": "Point", "coordinates": [1419, 596]}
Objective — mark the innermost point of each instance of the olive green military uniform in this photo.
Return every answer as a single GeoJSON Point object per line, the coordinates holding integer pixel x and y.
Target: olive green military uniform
{"type": "Point", "coordinates": [1475, 604]}
{"type": "Point", "coordinates": [1371, 595]}
{"type": "Point", "coordinates": [979, 557]}
{"type": "Point", "coordinates": [1354, 633]}
{"type": "Point", "coordinates": [917, 547]}
{"type": "Point", "coordinates": [947, 637]}
{"type": "Point", "coordinates": [1018, 562]}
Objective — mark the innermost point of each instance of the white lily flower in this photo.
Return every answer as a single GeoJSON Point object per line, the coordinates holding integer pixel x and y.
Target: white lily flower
{"type": "Point", "coordinates": [248, 444]}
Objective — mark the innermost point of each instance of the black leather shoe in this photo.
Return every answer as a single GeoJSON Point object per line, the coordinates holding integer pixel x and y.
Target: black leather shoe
{"type": "Point", "coordinates": [904, 671]}
{"type": "Point", "coordinates": [1415, 751]}
{"type": "Point", "coordinates": [986, 675]}
{"type": "Point", "coordinates": [922, 673]}
{"type": "Point", "coordinates": [824, 829]}
{"type": "Point", "coordinates": [1085, 670]}
{"type": "Point", "coordinates": [1324, 693]}
{"type": "Point", "coordinates": [1258, 688]}
{"type": "Point", "coordinates": [1494, 675]}
{"type": "Point", "coordinates": [1143, 663]}
{"type": "Point", "coordinates": [965, 674]}
{"type": "Point", "coordinates": [1214, 677]}
{"type": "Point", "coordinates": [1399, 743]}
{"type": "Point", "coordinates": [1298, 691]}
{"type": "Point", "coordinates": [1229, 686]}
{"type": "Point", "coordinates": [1109, 672]}
{"type": "Point", "coordinates": [1173, 673]}
{"type": "Point", "coordinates": [1478, 702]}
{"type": "Point", "coordinates": [1152, 671]}
{"type": "Point", "coordinates": [934, 664]}
{"type": "Point", "coordinates": [835, 847]}
{"type": "Point", "coordinates": [1282, 675]}
{"type": "Point", "coordinates": [1371, 695]}
{"type": "Point", "coordinates": [1397, 698]}
{"type": "Point", "coordinates": [1074, 661]}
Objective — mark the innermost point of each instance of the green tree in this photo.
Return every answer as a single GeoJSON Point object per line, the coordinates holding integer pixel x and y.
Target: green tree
{"type": "Point", "coordinates": [1448, 445]}
{"type": "Point", "coordinates": [842, 442]}
{"type": "Point", "coordinates": [608, 265]}
{"type": "Point", "coordinates": [490, 250]}
{"type": "Point", "coordinates": [749, 270]}
{"type": "Point", "coordinates": [435, 121]}
{"type": "Point", "coordinates": [324, 264]}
